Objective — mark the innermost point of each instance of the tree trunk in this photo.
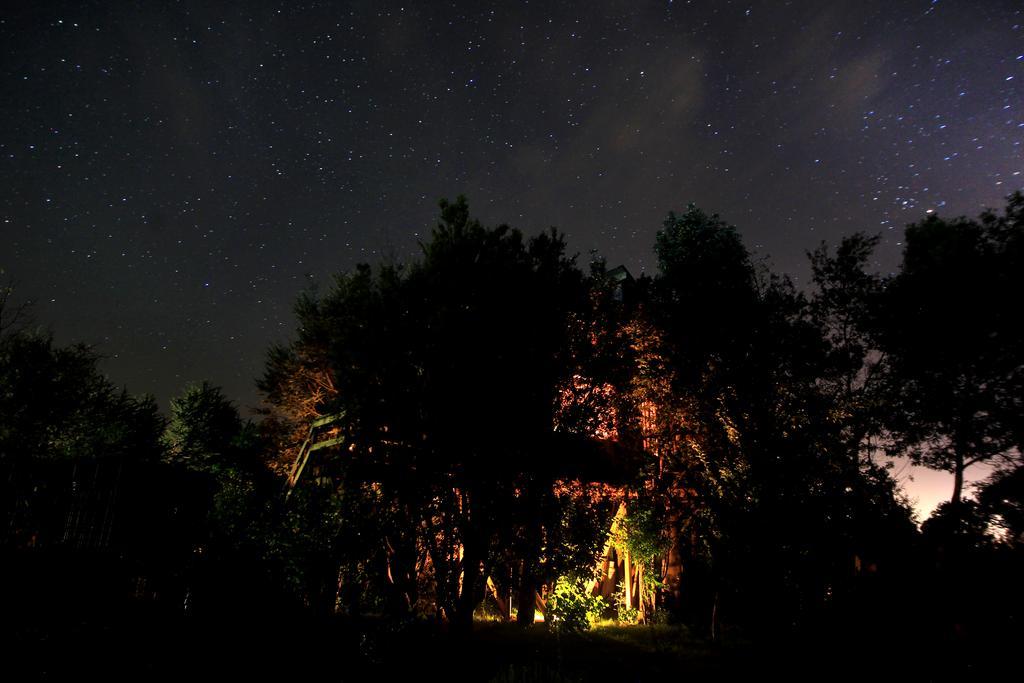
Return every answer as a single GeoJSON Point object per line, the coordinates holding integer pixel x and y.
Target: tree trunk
{"type": "Point", "coordinates": [526, 606]}
{"type": "Point", "coordinates": [714, 618]}
{"type": "Point", "coordinates": [499, 599]}
{"type": "Point", "coordinates": [471, 560]}
{"type": "Point", "coordinates": [958, 479]}
{"type": "Point", "coordinates": [526, 600]}
{"type": "Point", "coordinates": [400, 557]}
{"type": "Point", "coordinates": [628, 579]}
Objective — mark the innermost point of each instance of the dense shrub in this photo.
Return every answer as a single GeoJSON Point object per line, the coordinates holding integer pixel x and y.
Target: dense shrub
{"type": "Point", "coordinates": [572, 608]}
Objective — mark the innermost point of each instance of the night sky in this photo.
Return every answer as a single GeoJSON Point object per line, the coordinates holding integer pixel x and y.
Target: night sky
{"type": "Point", "coordinates": [173, 174]}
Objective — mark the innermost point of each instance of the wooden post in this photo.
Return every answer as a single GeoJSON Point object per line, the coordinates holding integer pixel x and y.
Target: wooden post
{"type": "Point", "coordinates": [607, 572]}
{"type": "Point", "coordinates": [629, 579]}
{"type": "Point", "coordinates": [503, 607]}
{"type": "Point", "coordinates": [640, 591]}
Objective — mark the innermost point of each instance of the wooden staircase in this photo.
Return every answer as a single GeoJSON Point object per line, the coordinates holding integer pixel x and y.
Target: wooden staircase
{"type": "Point", "coordinates": [319, 428]}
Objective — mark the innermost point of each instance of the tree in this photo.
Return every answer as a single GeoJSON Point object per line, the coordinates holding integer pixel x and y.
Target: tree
{"type": "Point", "coordinates": [1001, 498]}
{"type": "Point", "coordinates": [240, 541]}
{"type": "Point", "coordinates": [204, 428]}
{"type": "Point", "coordinates": [953, 345]}
{"type": "Point", "coordinates": [769, 388]}
{"type": "Point", "coordinates": [1007, 234]}
{"type": "Point", "coordinates": [447, 372]}
{"type": "Point", "coordinates": [60, 421]}
{"type": "Point", "coordinates": [14, 317]}
{"type": "Point", "coordinates": [844, 306]}
{"type": "Point", "coordinates": [707, 289]}
{"type": "Point", "coordinates": [78, 495]}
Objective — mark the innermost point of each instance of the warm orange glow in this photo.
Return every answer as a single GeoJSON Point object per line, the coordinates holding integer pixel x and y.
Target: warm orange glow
{"type": "Point", "coordinates": [583, 401]}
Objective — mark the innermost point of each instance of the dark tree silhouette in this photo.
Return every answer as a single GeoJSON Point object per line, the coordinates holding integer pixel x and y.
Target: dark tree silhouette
{"type": "Point", "coordinates": [14, 316]}
{"type": "Point", "coordinates": [953, 345]}
{"type": "Point", "coordinates": [1001, 498]}
{"type": "Point", "coordinates": [60, 419]}
{"type": "Point", "coordinates": [779, 508]}
{"type": "Point", "coordinates": [448, 375]}
{"type": "Point", "coordinates": [204, 428]}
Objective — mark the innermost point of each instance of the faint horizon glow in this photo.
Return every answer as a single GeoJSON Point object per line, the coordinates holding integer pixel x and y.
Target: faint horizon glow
{"type": "Point", "coordinates": [927, 488]}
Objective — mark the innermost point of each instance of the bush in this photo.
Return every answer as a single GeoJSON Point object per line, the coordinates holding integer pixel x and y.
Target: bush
{"type": "Point", "coordinates": [571, 607]}
{"type": "Point", "coordinates": [623, 614]}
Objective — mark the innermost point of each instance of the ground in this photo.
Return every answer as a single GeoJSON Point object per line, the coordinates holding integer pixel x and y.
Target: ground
{"type": "Point", "coordinates": [160, 647]}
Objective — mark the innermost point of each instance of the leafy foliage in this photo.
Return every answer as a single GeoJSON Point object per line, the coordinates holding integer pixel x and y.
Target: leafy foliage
{"type": "Point", "coordinates": [955, 365]}
{"type": "Point", "coordinates": [571, 607]}
{"type": "Point", "coordinates": [428, 363]}
{"type": "Point", "coordinates": [63, 423]}
{"type": "Point", "coordinates": [498, 404]}
{"type": "Point", "coordinates": [204, 428]}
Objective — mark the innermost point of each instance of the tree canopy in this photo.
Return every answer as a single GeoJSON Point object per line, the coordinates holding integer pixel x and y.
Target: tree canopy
{"type": "Point", "coordinates": [953, 343]}
{"type": "Point", "coordinates": [491, 424]}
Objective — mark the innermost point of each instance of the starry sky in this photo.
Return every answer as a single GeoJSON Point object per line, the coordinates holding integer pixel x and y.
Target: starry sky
{"type": "Point", "coordinates": [173, 174]}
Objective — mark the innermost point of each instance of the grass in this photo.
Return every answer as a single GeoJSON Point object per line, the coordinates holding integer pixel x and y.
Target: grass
{"type": "Point", "coordinates": [155, 647]}
{"type": "Point", "coordinates": [140, 646]}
